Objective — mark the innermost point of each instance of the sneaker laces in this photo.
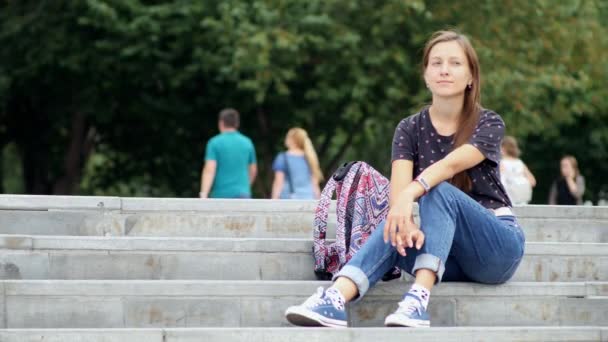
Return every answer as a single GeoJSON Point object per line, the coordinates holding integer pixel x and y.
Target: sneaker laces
{"type": "Point", "coordinates": [408, 305]}
{"type": "Point", "coordinates": [316, 299]}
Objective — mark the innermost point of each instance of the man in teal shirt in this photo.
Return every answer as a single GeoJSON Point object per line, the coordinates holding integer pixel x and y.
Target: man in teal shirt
{"type": "Point", "coordinates": [230, 163]}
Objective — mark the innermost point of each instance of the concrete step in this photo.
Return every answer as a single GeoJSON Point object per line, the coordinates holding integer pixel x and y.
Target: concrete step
{"type": "Point", "coordinates": [458, 334]}
{"type": "Point", "coordinates": [141, 304]}
{"type": "Point", "coordinates": [202, 224]}
{"type": "Point", "coordinates": [288, 224]}
{"type": "Point", "coordinates": [68, 257]}
{"type": "Point", "coordinates": [141, 205]}
{"type": "Point", "coordinates": [91, 215]}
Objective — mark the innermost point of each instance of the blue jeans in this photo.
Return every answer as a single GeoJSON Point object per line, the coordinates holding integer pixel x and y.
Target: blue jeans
{"type": "Point", "coordinates": [463, 242]}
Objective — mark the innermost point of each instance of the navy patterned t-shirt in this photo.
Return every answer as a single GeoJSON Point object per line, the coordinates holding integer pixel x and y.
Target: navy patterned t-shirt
{"type": "Point", "coordinates": [417, 140]}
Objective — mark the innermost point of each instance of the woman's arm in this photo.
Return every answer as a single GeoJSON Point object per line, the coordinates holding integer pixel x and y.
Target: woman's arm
{"type": "Point", "coordinates": [315, 187]}
{"type": "Point", "coordinates": [401, 175]}
{"type": "Point", "coordinates": [553, 194]}
{"type": "Point", "coordinates": [580, 188]}
{"type": "Point", "coordinates": [207, 177]}
{"type": "Point", "coordinates": [462, 158]}
{"type": "Point", "coordinates": [277, 184]}
{"type": "Point", "coordinates": [529, 176]}
{"type": "Point", "coordinates": [501, 167]}
{"type": "Point", "coordinates": [253, 172]}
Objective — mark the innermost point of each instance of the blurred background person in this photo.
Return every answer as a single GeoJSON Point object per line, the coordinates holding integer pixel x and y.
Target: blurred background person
{"type": "Point", "coordinates": [230, 161]}
{"type": "Point", "coordinates": [514, 174]}
{"type": "Point", "coordinates": [569, 188]}
{"type": "Point", "coordinates": [296, 172]}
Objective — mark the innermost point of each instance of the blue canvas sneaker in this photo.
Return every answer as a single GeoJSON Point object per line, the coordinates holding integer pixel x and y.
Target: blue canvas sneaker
{"type": "Point", "coordinates": [410, 313]}
{"type": "Point", "coordinates": [318, 310]}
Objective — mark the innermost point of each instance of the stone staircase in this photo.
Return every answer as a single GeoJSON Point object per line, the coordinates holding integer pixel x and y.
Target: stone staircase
{"type": "Point", "coordinates": [174, 270]}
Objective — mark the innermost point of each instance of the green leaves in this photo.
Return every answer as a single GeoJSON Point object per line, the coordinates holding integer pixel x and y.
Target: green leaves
{"type": "Point", "coordinates": [151, 77]}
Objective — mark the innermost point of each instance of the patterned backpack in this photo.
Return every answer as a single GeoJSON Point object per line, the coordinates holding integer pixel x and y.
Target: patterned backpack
{"type": "Point", "coordinates": [362, 204]}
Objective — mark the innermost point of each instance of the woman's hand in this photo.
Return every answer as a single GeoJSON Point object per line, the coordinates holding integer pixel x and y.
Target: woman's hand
{"type": "Point", "coordinates": [400, 227]}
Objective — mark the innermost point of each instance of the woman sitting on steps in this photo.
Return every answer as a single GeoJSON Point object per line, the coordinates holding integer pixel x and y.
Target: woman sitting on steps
{"type": "Point", "coordinates": [446, 157]}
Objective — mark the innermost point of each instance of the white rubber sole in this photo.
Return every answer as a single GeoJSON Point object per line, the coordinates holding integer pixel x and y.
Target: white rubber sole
{"type": "Point", "coordinates": [300, 316]}
{"type": "Point", "coordinates": [401, 321]}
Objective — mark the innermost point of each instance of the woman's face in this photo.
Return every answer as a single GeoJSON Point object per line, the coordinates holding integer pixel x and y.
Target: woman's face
{"type": "Point", "coordinates": [566, 168]}
{"type": "Point", "coordinates": [288, 141]}
{"type": "Point", "coordinates": [447, 73]}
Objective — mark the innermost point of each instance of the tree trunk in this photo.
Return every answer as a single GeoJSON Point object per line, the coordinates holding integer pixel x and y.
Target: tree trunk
{"type": "Point", "coordinates": [35, 168]}
{"type": "Point", "coordinates": [31, 135]}
{"type": "Point", "coordinates": [81, 145]}
{"type": "Point", "coordinates": [328, 134]}
{"type": "Point", "coordinates": [264, 179]}
{"type": "Point", "coordinates": [333, 164]}
{"type": "Point", "coordinates": [2, 168]}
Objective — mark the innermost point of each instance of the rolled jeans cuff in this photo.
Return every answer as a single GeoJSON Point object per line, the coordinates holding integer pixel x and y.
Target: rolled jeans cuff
{"type": "Point", "coordinates": [429, 262]}
{"type": "Point", "coordinates": [356, 276]}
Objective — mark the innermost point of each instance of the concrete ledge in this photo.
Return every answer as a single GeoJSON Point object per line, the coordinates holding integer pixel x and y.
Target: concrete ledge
{"type": "Point", "coordinates": [61, 264]}
{"type": "Point", "coordinates": [82, 335]}
{"type": "Point", "coordinates": [275, 288]}
{"type": "Point", "coordinates": [3, 312]}
{"type": "Point", "coordinates": [136, 204]}
{"type": "Point", "coordinates": [299, 206]}
{"type": "Point", "coordinates": [562, 211]}
{"type": "Point", "coordinates": [39, 202]}
{"type": "Point", "coordinates": [161, 304]}
{"type": "Point", "coordinates": [495, 334]}
{"type": "Point", "coordinates": [50, 257]}
{"type": "Point", "coordinates": [16, 242]}
{"type": "Point", "coordinates": [258, 224]}
{"type": "Point", "coordinates": [290, 225]}
{"type": "Point", "coordinates": [162, 244]}
{"type": "Point", "coordinates": [597, 289]}
{"type": "Point", "coordinates": [231, 224]}
{"type": "Point", "coordinates": [62, 222]}
{"type": "Point", "coordinates": [211, 244]}
{"type": "Point", "coordinates": [219, 205]}
{"type": "Point", "coordinates": [564, 229]}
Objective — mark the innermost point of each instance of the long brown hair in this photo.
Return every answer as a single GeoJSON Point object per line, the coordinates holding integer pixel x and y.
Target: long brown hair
{"type": "Point", "coordinates": [573, 163]}
{"type": "Point", "coordinates": [471, 107]}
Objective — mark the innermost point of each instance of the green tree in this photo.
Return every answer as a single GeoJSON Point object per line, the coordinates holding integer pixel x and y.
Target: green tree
{"type": "Point", "coordinates": [542, 68]}
{"type": "Point", "coordinates": [120, 96]}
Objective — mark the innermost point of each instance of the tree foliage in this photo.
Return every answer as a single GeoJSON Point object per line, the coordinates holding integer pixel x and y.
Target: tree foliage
{"type": "Point", "coordinates": [120, 96]}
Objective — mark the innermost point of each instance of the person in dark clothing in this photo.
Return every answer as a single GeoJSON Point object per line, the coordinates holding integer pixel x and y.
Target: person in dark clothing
{"type": "Point", "coordinates": [569, 188]}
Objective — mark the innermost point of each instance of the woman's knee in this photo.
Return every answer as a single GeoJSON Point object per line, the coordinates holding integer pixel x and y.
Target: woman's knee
{"type": "Point", "coordinates": [440, 191]}
{"type": "Point", "coordinates": [495, 274]}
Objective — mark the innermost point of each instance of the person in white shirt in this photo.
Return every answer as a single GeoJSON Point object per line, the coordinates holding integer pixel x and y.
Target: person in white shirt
{"type": "Point", "coordinates": [514, 174]}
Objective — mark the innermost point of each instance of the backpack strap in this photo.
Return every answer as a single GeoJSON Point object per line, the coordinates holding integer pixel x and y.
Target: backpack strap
{"type": "Point", "coordinates": [289, 182]}
{"type": "Point", "coordinates": [320, 249]}
{"type": "Point", "coordinates": [342, 171]}
{"type": "Point", "coordinates": [344, 215]}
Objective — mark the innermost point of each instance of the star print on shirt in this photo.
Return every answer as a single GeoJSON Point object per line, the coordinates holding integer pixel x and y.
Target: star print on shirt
{"type": "Point", "coordinates": [425, 147]}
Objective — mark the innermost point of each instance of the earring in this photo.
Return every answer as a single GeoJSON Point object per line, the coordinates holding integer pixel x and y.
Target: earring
{"type": "Point", "coordinates": [469, 86]}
